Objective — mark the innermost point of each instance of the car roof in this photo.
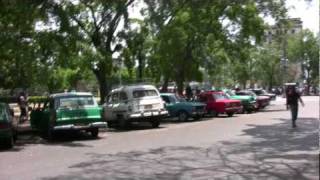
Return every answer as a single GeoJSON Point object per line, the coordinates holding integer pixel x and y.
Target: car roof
{"type": "Point", "coordinates": [132, 87]}
{"type": "Point", "coordinates": [167, 94]}
{"type": "Point", "coordinates": [66, 94]}
{"type": "Point", "coordinates": [213, 92]}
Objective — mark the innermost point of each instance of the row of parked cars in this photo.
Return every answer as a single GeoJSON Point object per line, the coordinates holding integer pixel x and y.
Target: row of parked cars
{"type": "Point", "coordinates": [125, 105]}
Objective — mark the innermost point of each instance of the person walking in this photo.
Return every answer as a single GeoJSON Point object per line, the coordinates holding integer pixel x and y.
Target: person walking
{"type": "Point", "coordinates": [23, 105]}
{"type": "Point", "coordinates": [292, 102]}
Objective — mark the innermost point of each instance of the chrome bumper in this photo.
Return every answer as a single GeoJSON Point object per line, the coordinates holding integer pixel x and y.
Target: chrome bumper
{"type": "Point", "coordinates": [148, 114]}
{"type": "Point", "coordinates": [72, 126]}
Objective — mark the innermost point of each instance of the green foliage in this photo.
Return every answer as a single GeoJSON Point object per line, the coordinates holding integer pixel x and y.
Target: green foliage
{"type": "Point", "coordinates": [59, 43]}
{"type": "Point", "coordinates": [304, 48]}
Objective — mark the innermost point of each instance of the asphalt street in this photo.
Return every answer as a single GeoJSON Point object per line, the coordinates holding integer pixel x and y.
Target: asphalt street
{"type": "Point", "coordinates": [260, 146]}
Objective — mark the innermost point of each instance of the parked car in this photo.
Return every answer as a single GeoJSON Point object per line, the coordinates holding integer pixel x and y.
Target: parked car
{"type": "Point", "coordinates": [218, 103]}
{"type": "Point", "coordinates": [134, 103]}
{"type": "Point", "coordinates": [249, 103]}
{"type": "Point", "coordinates": [262, 92]}
{"type": "Point", "coordinates": [7, 129]}
{"type": "Point", "coordinates": [262, 101]}
{"type": "Point", "coordinates": [179, 107]}
{"type": "Point", "coordinates": [68, 111]}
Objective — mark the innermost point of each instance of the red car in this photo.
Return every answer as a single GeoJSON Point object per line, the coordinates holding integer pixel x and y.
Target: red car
{"type": "Point", "coordinates": [262, 101]}
{"type": "Point", "coordinates": [218, 103]}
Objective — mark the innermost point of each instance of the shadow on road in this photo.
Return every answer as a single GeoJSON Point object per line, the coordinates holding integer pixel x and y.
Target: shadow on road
{"type": "Point", "coordinates": [275, 152]}
{"type": "Point", "coordinates": [68, 139]}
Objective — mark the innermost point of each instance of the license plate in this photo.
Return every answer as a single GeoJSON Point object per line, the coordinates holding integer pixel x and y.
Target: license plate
{"type": "Point", "coordinates": [148, 107]}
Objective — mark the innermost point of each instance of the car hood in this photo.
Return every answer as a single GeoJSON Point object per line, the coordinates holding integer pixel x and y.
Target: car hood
{"type": "Point", "coordinates": [263, 97]}
{"type": "Point", "coordinates": [241, 97]}
{"type": "Point", "coordinates": [228, 101]}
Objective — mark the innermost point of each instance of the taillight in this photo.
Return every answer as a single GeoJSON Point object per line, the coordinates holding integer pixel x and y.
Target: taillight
{"type": "Point", "coordinates": [4, 125]}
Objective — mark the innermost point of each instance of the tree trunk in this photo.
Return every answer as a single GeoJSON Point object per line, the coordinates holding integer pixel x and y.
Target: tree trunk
{"type": "Point", "coordinates": [179, 81]}
{"type": "Point", "coordinates": [100, 74]}
{"type": "Point", "coordinates": [165, 84]}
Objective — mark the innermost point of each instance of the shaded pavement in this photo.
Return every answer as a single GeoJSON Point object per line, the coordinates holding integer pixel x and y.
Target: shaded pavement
{"type": "Point", "coordinates": [275, 153]}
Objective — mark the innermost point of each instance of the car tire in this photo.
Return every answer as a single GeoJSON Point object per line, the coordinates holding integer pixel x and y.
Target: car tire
{"type": "Point", "coordinates": [9, 142]}
{"type": "Point", "coordinates": [183, 116]}
{"type": "Point", "coordinates": [94, 132]}
{"type": "Point", "coordinates": [123, 123]}
{"type": "Point", "coordinates": [50, 134]}
{"type": "Point", "coordinates": [197, 117]}
{"type": "Point", "coordinates": [111, 124]}
{"type": "Point", "coordinates": [230, 114]}
{"type": "Point", "coordinates": [213, 113]}
{"type": "Point", "coordinates": [155, 123]}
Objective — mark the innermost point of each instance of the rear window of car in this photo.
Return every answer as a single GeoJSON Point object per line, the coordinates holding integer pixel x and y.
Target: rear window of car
{"type": "Point", "coordinates": [74, 101]}
{"type": "Point", "coordinates": [220, 96]}
{"type": "Point", "coordinates": [144, 93]}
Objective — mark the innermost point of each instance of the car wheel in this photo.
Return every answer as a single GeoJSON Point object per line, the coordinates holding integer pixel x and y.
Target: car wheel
{"type": "Point", "coordinates": [50, 134]}
{"type": "Point", "coordinates": [230, 114]}
{"type": "Point", "coordinates": [111, 124]}
{"type": "Point", "coordinates": [197, 117]}
{"type": "Point", "coordinates": [155, 123]}
{"type": "Point", "coordinates": [124, 124]}
{"type": "Point", "coordinates": [183, 116]}
{"type": "Point", "coordinates": [9, 143]}
{"type": "Point", "coordinates": [94, 132]}
{"type": "Point", "coordinates": [213, 113]}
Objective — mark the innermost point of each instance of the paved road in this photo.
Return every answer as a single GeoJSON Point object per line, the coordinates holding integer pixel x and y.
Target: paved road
{"type": "Point", "coordinates": [250, 146]}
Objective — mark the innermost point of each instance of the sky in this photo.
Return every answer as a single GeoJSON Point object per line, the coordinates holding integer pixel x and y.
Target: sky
{"type": "Point", "coordinates": [307, 11]}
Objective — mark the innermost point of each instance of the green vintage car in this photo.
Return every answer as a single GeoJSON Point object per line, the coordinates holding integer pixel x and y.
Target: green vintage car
{"type": "Point", "coordinates": [7, 130]}
{"type": "Point", "coordinates": [249, 103]}
{"type": "Point", "coordinates": [68, 111]}
{"type": "Point", "coordinates": [179, 107]}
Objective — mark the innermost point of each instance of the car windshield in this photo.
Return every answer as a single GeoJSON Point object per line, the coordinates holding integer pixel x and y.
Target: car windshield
{"type": "Point", "coordinates": [75, 101]}
{"type": "Point", "coordinates": [144, 93]}
{"type": "Point", "coordinates": [259, 92]}
{"type": "Point", "coordinates": [220, 96]}
{"type": "Point", "coordinates": [178, 99]}
{"type": "Point", "coordinates": [230, 93]}
{"type": "Point", "coordinates": [251, 93]}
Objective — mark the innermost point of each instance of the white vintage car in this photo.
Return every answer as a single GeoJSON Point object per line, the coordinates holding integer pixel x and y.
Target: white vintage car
{"type": "Point", "coordinates": [134, 103]}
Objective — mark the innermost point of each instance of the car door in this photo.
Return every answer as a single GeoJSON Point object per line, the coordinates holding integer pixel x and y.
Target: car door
{"type": "Point", "coordinates": [108, 108]}
{"type": "Point", "coordinates": [122, 105]}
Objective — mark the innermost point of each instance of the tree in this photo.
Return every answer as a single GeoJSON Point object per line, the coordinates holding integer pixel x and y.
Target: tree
{"type": "Point", "coordinates": [303, 48]}
{"type": "Point", "coordinates": [188, 32]}
{"type": "Point", "coordinates": [95, 24]}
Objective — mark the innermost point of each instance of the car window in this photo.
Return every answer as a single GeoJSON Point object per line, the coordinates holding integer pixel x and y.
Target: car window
{"type": "Point", "coordinates": [219, 96]}
{"type": "Point", "coordinates": [123, 96]}
{"type": "Point", "coordinates": [109, 99]}
{"type": "Point", "coordinates": [75, 101]}
{"type": "Point", "coordinates": [166, 99]}
{"type": "Point", "coordinates": [144, 93]}
{"type": "Point", "coordinates": [179, 99]}
{"type": "Point", "coordinates": [3, 114]}
{"type": "Point", "coordinates": [115, 97]}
